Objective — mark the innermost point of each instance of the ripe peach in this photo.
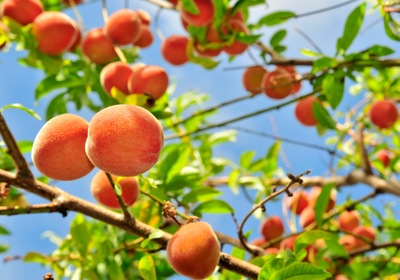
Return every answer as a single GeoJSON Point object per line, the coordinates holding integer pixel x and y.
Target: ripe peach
{"type": "Point", "coordinates": [123, 27]}
{"type": "Point", "coordinates": [272, 250]}
{"type": "Point", "coordinates": [349, 220]}
{"type": "Point", "coordinates": [137, 66]}
{"type": "Point", "coordinates": [77, 41]}
{"type": "Point", "coordinates": [307, 216]}
{"type": "Point", "coordinates": [151, 80]}
{"type": "Point", "coordinates": [103, 191]}
{"type": "Point", "coordinates": [68, 2]}
{"type": "Point", "coordinates": [384, 157]}
{"type": "Point", "coordinates": [288, 242]}
{"type": "Point", "coordinates": [367, 232]}
{"type": "Point", "coordinates": [124, 140]}
{"type": "Point", "coordinates": [174, 49]}
{"type": "Point", "coordinates": [146, 37]}
{"type": "Point", "coordinates": [58, 150]}
{"type": "Point", "coordinates": [314, 194]}
{"type": "Point", "coordinates": [277, 84]}
{"type": "Point", "coordinates": [173, 2]}
{"type": "Point", "coordinates": [383, 113]}
{"type": "Point", "coordinates": [341, 277]}
{"type": "Point", "coordinates": [98, 47]}
{"type": "Point", "coordinates": [298, 202]}
{"type": "Point", "coordinates": [260, 242]}
{"type": "Point", "coordinates": [205, 16]}
{"type": "Point", "coordinates": [145, 18]}
{"type": "Point", "coordinates": [348, 241]}
{"type": "Point", "coordinates": [55, 32]}
{"type": "Point", "coordinates": [272, 227]}
{"type": "Point", "coordinates": [236, 48]}
{"type": "Point", "coordinates": [293, 72]}
{"type": "Point", "coordinates": [233, 22]}
{"type": "Point", "coordinates": [252, 78]}
{"type": "Point", "coordinates": [22, 11]}
{"type": "Point", "coordinates": [116, 74]}
{"type": "Point", "coordinates": [304, 112]}
{"type": "Point", "coordinates": [194, 250]}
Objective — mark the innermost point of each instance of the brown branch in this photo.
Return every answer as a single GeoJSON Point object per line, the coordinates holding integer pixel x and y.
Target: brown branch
{"type": "Point", "coordinates": [391, 9]}
{"type": "Point", "coordinates": [34, 209]}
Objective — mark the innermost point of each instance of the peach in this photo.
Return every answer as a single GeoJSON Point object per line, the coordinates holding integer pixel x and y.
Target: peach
{"type": "Point", "coordinates": [233, 22]}
{"type": "Point", "coordinates": [260, 242]}
{"type": "Point", "coordinates": [304, 111]}
{"type": "Point", "coordinates": [103, 191]}
{"type": "Point", "coordinates": [174, 49]}
{"type": "Point", "coordinates": [288, 242]}
{"type": "Point", "coordinates": [212, 37]}
{"type": "Point", "coordinates": [173, 2]}
{"type": "Point", "coordinates": [58, 150]}
{"type": "Point", "coordinates": [298, 202]}
{"type": "Point", "coordinates": [384, 157]}
{"type": "Point", "coordinates": [272, 228]}
{"type": "Point", "coordinates": [21, 11]}
{"type": "Point", "coordinates": [205, 16]}
{"type": "Point", "coordinates": [68, 2]}
{"type": "Point", "coordinates": [151, 80]}
{"type": "Point", "coordinates": [307, 216]}
{"type": "Point", "coordinates": [146, 37]}
{"type": "Point", "coordinates": [348, 242]}
{"type": "Point", "coordinates": [97, 47]}
{"type": "Point", "coordinates": [252, 78]}
{"type": "Point", "coordinates": [194, 250]}
{"type": "Point", "coordinates": [55, 32]}
{"type": "Point", "coordinates": [116, 74]}
{"type": "Point", "coordinates": [123, 27]}
{"type": "Point", "coordinates": [77, 41]}
{"type": "Point", "coordinates": [293, 72]}
{"type": "Point", "coordinates": [272, 250]}
{"type": "Point", "coordinates": [314, 194]}
{"type": "Point", "coordinates": [367, 232]}
{"type": "Point", "coordinates": [349, 220]}
{"type": "Point", "coordinates": [145, 18]}
{"type": "Point", "coordinates": [124, 140]}
{"type": "Point", "coordinates": [236, 48]}
{"type": "Point", "coordinates": [277, 84]}
{"type": "Point", "coordinates": [383, 113]}
{"type": "Point", "coordinates": [341, 277]}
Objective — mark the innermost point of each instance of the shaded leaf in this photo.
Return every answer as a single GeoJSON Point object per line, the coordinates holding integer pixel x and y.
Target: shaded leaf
{"type": "Point", "coordinates": [323, 117]}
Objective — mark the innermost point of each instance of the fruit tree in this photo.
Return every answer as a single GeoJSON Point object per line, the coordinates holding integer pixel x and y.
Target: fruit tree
{"type": "Point", "coordinates": [287, 167]}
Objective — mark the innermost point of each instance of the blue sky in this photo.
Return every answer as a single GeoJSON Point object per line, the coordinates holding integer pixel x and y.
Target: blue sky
{"type": "Point", "coordinates": [18, 84]}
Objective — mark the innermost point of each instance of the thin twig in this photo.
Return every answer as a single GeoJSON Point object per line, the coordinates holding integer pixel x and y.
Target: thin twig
{"type": "Point", "coordinates": [34, 209]}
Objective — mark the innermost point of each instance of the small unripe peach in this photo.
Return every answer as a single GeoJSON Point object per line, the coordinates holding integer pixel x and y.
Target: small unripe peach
{"type": "Point", "coordinates": [252, 78]}
{"type": "Point", "coordinates": [123, 27]}
{"type": "Point", "coordinates": [304, 111]}
{"type": "Point", "coordinates": [98, 47]}
{"type": "Point", "coordinates": [103, 191]}
{"type": "Point", "coordinates": [298, 202]}
{"type": "Point", "coordinates": [55, 32]}
{"type": "Point", "coordinates": [124, 140]}
{"type": "Point", "coordinates": [58, 150]}
{"type": "Point", "coordinates": [116, 74]}
{"type": "Point", "coordinates": [349, 220]}
{"type": "Point", "coordinates": [383, 113]}
{"type": "Point", "coordinates": [272, 228]}
{"type": "Point", "coordinates": [151, 80]}
{"type": "Point", "coordinates": [22, 11]}
{"type": "Point", "coordinates": [205, 16]}
{"type": "Point", "coordinates": [194, 250]}
{"type": "Point", "coordinates": [174, 49]}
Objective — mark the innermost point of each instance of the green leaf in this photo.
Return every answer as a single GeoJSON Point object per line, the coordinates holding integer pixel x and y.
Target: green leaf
{"type": "Point", "coordinates": [323, 117]}
{"type": "Point", "coordinates": [216, 206]}
{"type": "Point", "coordinates": [200, 195]}
{"type": "Point", "coordinates": [272, 158]}
{"type": "Point", "coordinates": [275, 18]}
{"type": "Point", "coordinates": [310, 53]}
{"type": "Point", "coordinates": [25, 146]}
{"type": "Point", "coordinates": [4, 231]}
{"type": "Point", "coordinates": [277, 38]}
{"type": "Point", "coordinates": [35, 257]}
{"type": "Point", "coordinates": [322, 202]}
{"type": "Point", "coordinates": [300, 271]}
{"type": "Point", "coordinates": [53, 82]}
{"type": "Point", "coordinates": [80, 234]}
{"type": "Point", "coordinates": [21, 107]}
{"type": "Point", "coordinates": [390, 29]}
{"type": "Point", "coordinates": [190, 6]}
{"type": "Point", "coordinates": [351, 28]}
{"type": "Point", "coordinates": [156, 234]}
{"type": "Point", "coordinates": [246, 158]}
{"type": "Point", "coordinates": [222, 137]}
{"type": "Point", "coordinates": [333, 88]}
{"type": "Point", "coordinates": [378, 51]}
{"type": "Point", "coordinates": [147, 268]}
{"type": "Point", "coordinates": [309, 237]}
{"type": "Point", "coordinates": [3, 248]}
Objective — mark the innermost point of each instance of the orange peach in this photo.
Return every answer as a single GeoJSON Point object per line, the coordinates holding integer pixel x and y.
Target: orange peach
{"type": "Point", "coordinates": [272, 228]}
{"type": "Point", "coordinates": [205, 16]}
{"type": "Point", "coordinates": [116, 74]}
{"type": "Point", "coordinates": [58, 150]}
{"type": "Point", "coordinates": [55, 32]}
{"type": "Point", "coordinates": [123, 27]}
{"type": "Point", "coordinates": [174, 49]}
{"type": "Point", "coordinates": [298, 202]}
{"type": "Point", "coordinates": [146, 37]}
{"type": "Point", "coordinates": [349, 220]}
{"type": "Point", "coordinates": [277, 84]}
{"type": "Point", "coordinates": [383, 113]}
{"type": "Point", "coordinates": [194, 250]}
{"type": "Point", "coordinates": [103, 191]}
{"type": "Point", "coordinates": [314, 194]}
{"type": "Point", "coordinates": [304, 111]}
{"type": "Point", "coordinates": [98, 47]}
{"type": "Point", "coordinates": [145, 18]}
{"type": "Point", "coordinates": [293, 72]}
{"type": "Point", "coordinates": [124, 140]}
{"type": "Point", "coordinates": [366, 232]}
{"type": "Point", "coordinates": [151, 80]}
{"type": "Point", "coordinates": [307, 216]}
{"type": "Point", "coordinates": [252, 78]}
{"type": "Point", "coordinates": [21, 11]}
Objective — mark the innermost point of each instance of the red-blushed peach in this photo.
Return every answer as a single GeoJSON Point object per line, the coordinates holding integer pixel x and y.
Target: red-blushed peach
{"type": "Point", "coordinates": [68, 2]}
{"type": "Point", "coordinates": [304, 112]}
{"type": "Point", "coordinates": [21, 11]}
{"type": "Point", "coordinates": [173, 2]}
{"type": "Point", "coordinates": [298, 202]}
{"type": "Point", "coordinates": [137, 66]}
{"type": "Point", "coordinates": [103, 191]}
{"type": "Point", "coordinates": [123, 27]}
{"type": "Point", "coordinates": [205, 16]}
{"type": "Point", "coordinates": [314, 194]}
{"type": "Point", "coordinates": [272, 228]}
{"type": "Point", "coordinates": [307, 216]}
{"type": "Point", "coordinates": [194, 250]}
{"type": "Point", "coordinates": [55, 32]}
{"type": "Point", "coordinates": [144, 16]}
{"type": "Point", "coordinates": [151, 80]}
{"type": "Point", "coordinates": [383, 113]}
{"type": "Point", "coordinates": [124, 140]}
{"type": "Point", "coordinates": [97, 47]}
{"type": "Point", "coordinates": [58, 150]}
{"type": "Point", "coordinates": [233, 23]}
{"type": "Point", "coordinates": [349, 220]}
{"type": "Point", "coordinates": [77, 41]}
{"type": "Point", "coordinates": [174, 49]}
{"type": "Point", "coordinates": [292, 70]}
{"type": "Point", "coordinates": [146, 37]}
{"type": "Point", "coordinates": [236, 48]}
{"type": "Point", "coordinates": [277, 84]}
{"type": "Point", "coordinates": [288, 242]}
{"type": "Point", "coordinates": [384, 157]}
{"type": "Point", "coordinates": [348, 242]}
{"type": "Point", "coordinates": [252, 78]}
{"type": "Point", "coordinates": [368, 233]}
{"type": "Point", "coordinates": [116, 74]}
